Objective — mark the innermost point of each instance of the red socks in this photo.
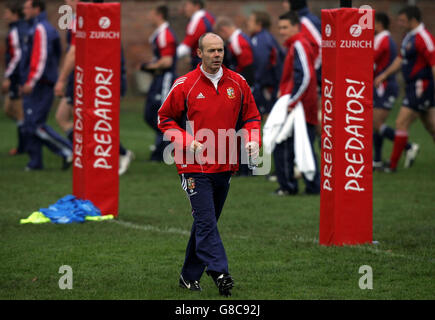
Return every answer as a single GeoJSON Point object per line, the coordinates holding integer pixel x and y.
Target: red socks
{"type": "Point", "coordinates": [400, 141]}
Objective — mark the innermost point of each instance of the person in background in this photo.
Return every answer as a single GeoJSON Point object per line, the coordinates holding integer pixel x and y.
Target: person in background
{"type": "Point", "coordinates": [240, 53]}
{"type": "Point", "coordinates": [311, 28]}
{"type": "Point", "coordinates": [301, 84]}
{"type": "Point", "coordinates": [239, 57]}
{"type": "Point", "coordinates": [269, 57]}
{"type": "Point", "coordinates": [42, 50]}
{"type": "Point", "coordinates": [64, 113]}
{"type": "Point", "coordinates": [386, 93]}
{"type": "Point", "coordinates": [13, 107]}
{"type": "Point", "coordinates": [162, 67]}
{"type": "Point", "coordinates": [417, 61]}
{"type": "Point", "coordinates": [200, 22]}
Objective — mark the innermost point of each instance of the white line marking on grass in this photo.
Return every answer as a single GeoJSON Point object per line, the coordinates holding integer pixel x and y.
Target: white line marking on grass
{"type": "Point", "coordinates": [148, 227]}
{"type": "Point", "coordinates": [298, 238]}
{"type": "Point", "coordinates": [295, 238]}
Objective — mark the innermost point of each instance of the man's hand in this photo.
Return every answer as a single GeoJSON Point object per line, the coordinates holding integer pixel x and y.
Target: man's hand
{"type": "Point", "coordinates": [5, 85]}
{"type": "Point", "coordinates": [147, 67]}
{"type": "Point", "coordinates": [59, 88]}
{"type": "Point", "coordinates": [195, 146]}
{"type": "Point", "coordinates": [379, 79]}
{"type": "Point", "coordinates": [26, 89]}
{"type": "Point", "coordinates": [253, 149]}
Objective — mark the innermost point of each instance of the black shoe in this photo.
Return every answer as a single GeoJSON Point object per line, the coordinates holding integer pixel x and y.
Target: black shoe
{"type": "Point", "coordinates": [67, 162]}
{"type": "Point", "coordinates": [223, 281]}
{"type": "Point", "coordinates": [192, 285]}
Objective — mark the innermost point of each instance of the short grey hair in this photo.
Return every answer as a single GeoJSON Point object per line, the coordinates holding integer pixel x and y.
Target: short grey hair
{"type": "Point", "coordinates": [201, 38]}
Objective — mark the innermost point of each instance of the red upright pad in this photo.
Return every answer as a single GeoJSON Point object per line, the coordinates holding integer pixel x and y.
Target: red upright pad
{"type": "Point", "coordinates": [346, 206]}
{"type": "Point", "coordinates": [96, 105]}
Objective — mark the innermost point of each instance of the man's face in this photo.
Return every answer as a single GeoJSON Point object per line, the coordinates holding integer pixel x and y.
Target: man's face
{"type": "Point", "coordinates": [153, 17]}
{"type": "Point", "coordinates": [8, 16]}
{"type": "Point", "coordinates": [378, 27]}
{"type": "Point", "coordinates": [286, 29]}
{"type": "Point", "coordinates": [189, 9]}
{"type": "Point", "coordinates": [212, 53]}
{"type": "Point", "coordinates": [28, 10]}
{"type": "Point", "coordinates": [404, 23]}
{"type": "Point", "coordinates": [224, 32]}
{"type": "Point", "coordinates": [253, 27]}
{"type": "Point", "coordinates": [286, 5]}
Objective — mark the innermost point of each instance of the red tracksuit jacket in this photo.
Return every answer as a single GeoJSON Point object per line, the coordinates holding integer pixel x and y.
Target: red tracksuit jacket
{"type": "Point", "coordinates": [194, 98]}
{"type": "Point", "coordinates": [298, 76]}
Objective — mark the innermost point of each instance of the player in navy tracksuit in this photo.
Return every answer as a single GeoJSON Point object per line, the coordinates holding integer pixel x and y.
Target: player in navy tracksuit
{"type": "Point", "coordinates": [215, 99]}
{"type": "Point", "coordinates": [11, 82]}
{"type": "Point", "coordinates": [301, 83]}
{"type": "Point", "coordinates": [41, 54]}
{"type": "Point", "coordinates": [269, 57]}
{"type": "Point", "coordinates": [417, 60]}
{"type": "Point", "coordinates": [385, 94]}
{"type": "Point", "coordinates": [162, 67]}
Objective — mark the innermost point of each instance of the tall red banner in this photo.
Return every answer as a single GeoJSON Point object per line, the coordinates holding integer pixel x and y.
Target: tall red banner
{"type": "Point", "coordinates": [96, 105]}
{"type": "Point", "coordinates": [346, 201]}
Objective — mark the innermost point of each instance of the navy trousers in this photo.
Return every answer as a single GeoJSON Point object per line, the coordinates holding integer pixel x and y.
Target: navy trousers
{"type": "Point", "coordinates": [159, 89]}
{"type": "Point", "coordinates": [207, 193]}
{"type": "Point", "coordinates": [37, 133]}
{"type": "Point", "coordinates": [284, 157]}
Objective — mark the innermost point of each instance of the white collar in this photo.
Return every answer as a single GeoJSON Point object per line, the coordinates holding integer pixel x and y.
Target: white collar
{"type": "Point", "coordinates": [383, 34]}
{"type": "Point", "coordinates": [198, 14]}
{"type": "Point", "coordinates": [234, 35]}
{"type": "Point", "coordinates": [213, 76]}
{"type": "Point", "coordinates": [380, 36]}
{"type": "Point", "coordinates": [159, 29]}
{"type": "Point", "coordinates": [417, 29]}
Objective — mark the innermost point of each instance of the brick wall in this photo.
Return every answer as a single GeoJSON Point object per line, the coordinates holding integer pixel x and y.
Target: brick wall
{"type": "Point", "coordinates": [136, 29]}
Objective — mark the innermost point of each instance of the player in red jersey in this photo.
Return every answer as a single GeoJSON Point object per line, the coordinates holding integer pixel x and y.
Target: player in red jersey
{"type": "Point", "coordinates": [417, 60]}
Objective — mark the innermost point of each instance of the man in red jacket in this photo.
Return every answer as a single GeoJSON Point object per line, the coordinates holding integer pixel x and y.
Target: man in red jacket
{"type": "Point", "coordinates": [204, 106]}
{"type": "Point", "coordinates": [299, 80]}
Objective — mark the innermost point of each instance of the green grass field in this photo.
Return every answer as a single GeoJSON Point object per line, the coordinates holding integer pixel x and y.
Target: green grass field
{"type": "Point", "coordinates": [271, 242]}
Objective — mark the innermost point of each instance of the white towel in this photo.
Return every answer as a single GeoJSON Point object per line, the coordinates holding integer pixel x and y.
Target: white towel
{"type": "Point", "coordinates": [304, 157]}
{"type": "Point", "coordinates": [274, 123]}
{"type": "Point", "coordinates": [279, 127]}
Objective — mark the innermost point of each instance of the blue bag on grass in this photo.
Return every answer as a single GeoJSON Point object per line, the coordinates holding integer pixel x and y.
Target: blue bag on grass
{"type": "Point", "coordinates": [70, 209]}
